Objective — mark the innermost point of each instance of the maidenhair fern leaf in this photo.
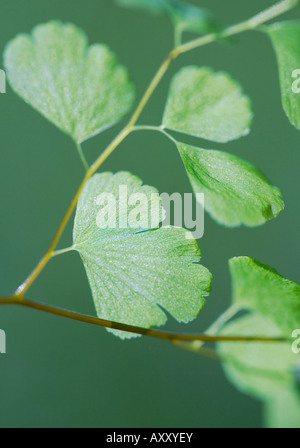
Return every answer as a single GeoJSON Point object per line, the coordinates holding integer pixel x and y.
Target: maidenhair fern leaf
{"type": "Point", "coordinates": [235, 191]}
{"type": "Point", "coordinates": [207, 105]}
{"type": "Point", "coordinates": [285, 37]}
{"type": "Point", "coordinates": [80, 89]}
{"type": "Point", "coordinates": [136, 273]}
{"type": "Point", "coordinates": [260, 288]}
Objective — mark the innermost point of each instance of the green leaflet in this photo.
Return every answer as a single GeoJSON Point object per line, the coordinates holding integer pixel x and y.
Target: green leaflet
{"type": "Point", "coordinates": [185, 16]}
{"type": "Point", "coordinates": [260, 369]}
{"type": "Point", "coordinates": [265, 370]}
{"type": "Point", "coordinates": [283, 410]}
{"type": "Point", "coordinates": [80, 89]}
{"type": "Point", "coordinates": [133, 274]}
{"type": "Point", "coordinates": [260, 288]}
{"type": "Point", "coordinates": [206, 104]}
{"type": "Point", "coordinates": [285, 37]}
{"type": "Point", "coordinates": [235, 191]}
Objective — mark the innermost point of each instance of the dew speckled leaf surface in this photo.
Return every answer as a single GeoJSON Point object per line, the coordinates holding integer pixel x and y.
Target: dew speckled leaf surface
{"type": "Point", "coordinates": [206, 104]}
{"type": "Point", "coordinates": [260, 369]}
{"type": "Point", "coordinates": [80, 89]}
{"type": "Point", "coordinates": [134, 275]}
{"type": "Point", "coordinates": [235, 191]}
{"type": "Point", "coordinates": [260, 288]}
{"type": "Point", "coordinates": [285, 37]}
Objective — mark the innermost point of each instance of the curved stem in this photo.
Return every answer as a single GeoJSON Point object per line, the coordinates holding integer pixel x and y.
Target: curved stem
{"type": "Point", "coordinates": [22, 289]}
{"type": "Point", "coordinates": [62, 251]}
{"type": "Point", "coordinates": [9, 300]}
{"type": "Point", "coordinates": [223, 319]}
{"type": "Point", "coordinates": [160, 129]}
{"type": "Point", "coordinates": [171, 337]}
{"type": "Point", "coordinates": [197, 348]}
{"type": "Point", "coordinates": [44, 261]}
{"type": "Point", "coordinates": [82, 156]}
{"type": "Point", "coordinates": [250, 24]}
{"type": "Point", "coordinates": [178, 31]}
{"type": "Point", "coordinates": [254, 22]}
{"type": "Point", "coordinates": [152, 87]}
{"type": "Point", "coordinates": [109, 150]}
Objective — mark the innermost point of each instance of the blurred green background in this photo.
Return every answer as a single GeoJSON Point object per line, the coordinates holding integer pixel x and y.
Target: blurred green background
{"type": "Point", "coordinates": [60, 373]}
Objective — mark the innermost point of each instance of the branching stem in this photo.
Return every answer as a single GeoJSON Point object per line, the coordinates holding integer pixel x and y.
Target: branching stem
{"type": "Point", "coordinates": [18, 298]}
{"type": "Point", "coordinates": [250, 24]}
{"type": "Point", "coordinates": [82, 156]}
{"type": "Point", "coordinates": [171, 337]}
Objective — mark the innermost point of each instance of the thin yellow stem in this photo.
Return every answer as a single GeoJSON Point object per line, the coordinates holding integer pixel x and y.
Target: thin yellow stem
{"type": "Point", "coordinates": [44, 261]}
{"type": "Point", "coordinates": [197, 346]}
{"type": "Point", "coordinates": [109, 150]}
{"type": "Point", "coordinates": [171, 337]}
{"type": "Point", "coordinates": [9, 300]}
{"type": "Point", "coordinates": [22, 289]}
{"type": "Point", "coordinates": [269, 14]}
{"type": "Point", "coordinates": [153, 85]}
{"type": "Point", "coordinates": [250, 24]}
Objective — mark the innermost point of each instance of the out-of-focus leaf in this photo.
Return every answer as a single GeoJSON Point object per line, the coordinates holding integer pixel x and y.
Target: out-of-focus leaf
{"type": "Point", "coordinates": [260, 288]}
{"type": "Point", "coordinates": [261, 369]}
{"type": "Point", "coordinates": [283, 410]}
{"type": "Point", "coordinates": [285, 37]}
{"type": "Point", "coordinates": [183, 15]}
